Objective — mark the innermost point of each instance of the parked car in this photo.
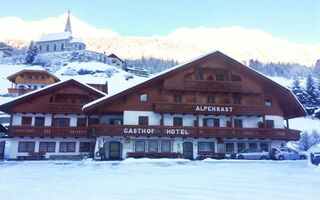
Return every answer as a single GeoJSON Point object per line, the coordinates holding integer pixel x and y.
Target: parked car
{"type": "Point", "coordinates": [315, 158]}
{"type": "Point", "coordinates": [254, 154]}
{"type": "Point", "coordinates": [286, 153]}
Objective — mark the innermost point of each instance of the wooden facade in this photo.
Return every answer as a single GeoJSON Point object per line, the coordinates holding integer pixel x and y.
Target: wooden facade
{"type": "Point", "coordinates": [208, 102]}
{"type": "Point", "coordinates": [28, 80]}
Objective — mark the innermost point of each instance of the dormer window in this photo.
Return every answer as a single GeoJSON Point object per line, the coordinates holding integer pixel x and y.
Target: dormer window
{"type": "Point", "coordinates": [144, 97]}
{"type": "Point", "coordinates": [268, 102]}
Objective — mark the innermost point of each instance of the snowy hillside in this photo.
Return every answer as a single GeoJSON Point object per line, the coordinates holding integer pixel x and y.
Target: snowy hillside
{"type": "Point", "coordinates": [181, 45]}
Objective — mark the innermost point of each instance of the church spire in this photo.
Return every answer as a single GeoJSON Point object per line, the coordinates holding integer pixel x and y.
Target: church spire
{"type": "Point", "coordinates": [68, 24]}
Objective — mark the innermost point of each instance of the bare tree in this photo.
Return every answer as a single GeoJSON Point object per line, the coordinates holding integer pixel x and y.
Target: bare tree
{"type": "Point", "coordinates": [307, 140]}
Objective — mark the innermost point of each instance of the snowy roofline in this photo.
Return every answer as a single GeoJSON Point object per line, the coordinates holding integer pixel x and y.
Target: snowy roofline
{"type": "Point", "coordinates": [50, 86]}
{"type": "Point", "coordinates": [54, 36]}
{"type": "Point", "coordinates": [159, 74]}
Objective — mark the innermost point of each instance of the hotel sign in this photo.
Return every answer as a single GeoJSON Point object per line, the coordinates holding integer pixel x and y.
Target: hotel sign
{"type": "Point", "coordinates": [153, 131]}
{"type": "Point", "coordinates": [222, 109]}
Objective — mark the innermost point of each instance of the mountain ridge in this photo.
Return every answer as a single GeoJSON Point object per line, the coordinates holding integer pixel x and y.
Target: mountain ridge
{"type": "Point", "coordinates": [181, 44]}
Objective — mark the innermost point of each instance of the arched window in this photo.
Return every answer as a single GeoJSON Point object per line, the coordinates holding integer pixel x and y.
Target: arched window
{"type": "Point", "coordinates": [47, 47]}
{"type": "Point", "coordinates": [62, 47]}
{"type": "Point", "coordinates": [54, 47]}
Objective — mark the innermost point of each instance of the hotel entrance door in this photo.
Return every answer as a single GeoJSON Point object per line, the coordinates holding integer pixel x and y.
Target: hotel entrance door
{"type": "Point", "coordinates": [188, 150]}
{"type": "Point", "coordinates": [114, 151]}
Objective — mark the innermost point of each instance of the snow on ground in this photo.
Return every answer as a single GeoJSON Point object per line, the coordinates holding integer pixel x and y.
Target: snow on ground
{"type": "Point", "coordinates": [305, 124]}
{"type": "Point", "coordinates": [159, 179]}
{"type": "Point", "coordinates": [95, 72]}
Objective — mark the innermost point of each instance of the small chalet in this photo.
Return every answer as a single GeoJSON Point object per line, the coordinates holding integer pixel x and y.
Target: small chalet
{"type": "Point", "coordinates": [28, 80]}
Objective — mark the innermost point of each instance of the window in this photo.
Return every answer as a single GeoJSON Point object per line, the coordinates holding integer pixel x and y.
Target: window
{"type": "Point", "coordinates": [153, 146]}
{"type": "Point", "coordinates": [253, 146]}
{"type": "Point", "coordinates": [177, 98]}
{"type": "Point", "coordinates": [81, 122]}
{"type": "Point", "coordinates": [177, 121]}
{"type": "Point", "coordinates": [165, 146]}
{"type": "Point", "coordinates": [144, 97]}
{"type": "Point", "coordinates": [269, 124]}
{"type": "Point", "coordinates": [54, 47]}
{"type": "Point", "coordinates": [26, 147]}
{"type": "Point", "coordinates": [39, 121]}
{"type": "Point", "coordinates": [205, 146]}
{"type": "Point", "coordinates": [67, 147]}
{"type": "Point", "coordinates": [140, 146]}
{"type": "Point", "coordinates": [211, 122]}
{"type": "Point", "coordinates": [79, 47]}
{"type": "Point", "coordinates": [35, 87]}
{"type": "Point", "coordinates": [237, 123]}
{"type": "Point", "coordinates": [47, 47]}
{"type": "Point", "coordinates": [241, 146]}
{"type": "Point", "coordinates": [62, 47]}
{"type": "Point", "coordinates": [30, 77]}
{"type": "Point", "coordinates": [26, 120]}
{"type": "Point", "coordinates": [200, 76]}
{"type": "Point", "coordinates": [264, 146]}
{"type": "Point", "coordinates": [42, 76]}
{"type": "Point", "coordinates": [219, 77]}
{"type": "Point", "coordinates": [268, 102]}
{"type": "Point", "coordinates": [143, 120]}
{"type": "Point", "coordinates": [237, 100]}
{"type": "Point", "coordinates": [229, 148]}
{"type": "Point", "coordinates": [210, 99]}
{"type": "Point", "coordinates": [61, 122]}
{"type": "Point", "coordinates": [116, 122]}
{"type": "Point", "coordinates": [36, 77]}
{"type": "Point", "coordinates": [40, 47]}
{"type": "Point", "coordinates": [47, 147]}
{"type": "Point", "coordinates": [93, 120]}
{"type": "Point", "coordinates": [86, 146]}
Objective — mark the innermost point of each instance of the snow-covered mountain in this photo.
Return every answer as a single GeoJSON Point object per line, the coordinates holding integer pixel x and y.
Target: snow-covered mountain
{"type": "Point", "coordinates": [182, 44]}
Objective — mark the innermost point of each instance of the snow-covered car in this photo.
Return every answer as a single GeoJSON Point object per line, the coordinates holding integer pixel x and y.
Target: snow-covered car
{"type": "Point", "coordinates": [315, 158]}
{"type": "Point", "coordinates": [286, 153]}
{"type": "Point", "coordinates": [254, 154]}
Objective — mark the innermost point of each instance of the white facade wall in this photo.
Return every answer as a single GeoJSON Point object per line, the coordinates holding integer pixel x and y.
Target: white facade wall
{"type": "Point", "coordinates": [278, 120]}
{"type": "Point", "coordinates": [132, 117]}
{"type": "Point", "coordinates": [17, 118]}
{"type": "Point", "coordinates": [105, 119]}
{"type": "Point", "coordinates": [11, 150]}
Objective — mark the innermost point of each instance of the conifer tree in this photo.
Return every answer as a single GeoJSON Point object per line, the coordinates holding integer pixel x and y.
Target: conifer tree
{"type": "Point", "coordinates": [312, 96]}
{"type": "Point", "coordinates": [31, 53]}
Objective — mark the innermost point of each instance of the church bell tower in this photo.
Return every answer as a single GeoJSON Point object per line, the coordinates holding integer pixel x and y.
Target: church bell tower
{"type": "Point", "coordinates": [68, 24]}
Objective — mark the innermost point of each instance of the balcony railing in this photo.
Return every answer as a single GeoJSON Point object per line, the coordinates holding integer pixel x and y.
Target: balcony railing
{"type": "Point", "coordinates": [17, 90]}
{"type": "Point", "coordinates": [212, 86]}
{"type": "Point", "coordinates": [227, 109]}
{"type": "Point", "coordinates": [44, 131]}
{"type": "Point", "coordinates": [206, 132]}
{"type": "Point", "coordinates": [65, 108]}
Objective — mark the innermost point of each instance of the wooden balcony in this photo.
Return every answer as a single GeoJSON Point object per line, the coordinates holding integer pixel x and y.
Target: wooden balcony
{"type": "Point", "coordinates": [209, 86]}
{"type": "Point", "coordinates": [206, 132]}
{"type": "Point", "coordinates": [19, 91]}
{"type": "Point", "coordinates": [228, 109]}
{"type": "Point", "coordinates": [65, 108]}
{"type": "Point", "coordinates": [45, 131]}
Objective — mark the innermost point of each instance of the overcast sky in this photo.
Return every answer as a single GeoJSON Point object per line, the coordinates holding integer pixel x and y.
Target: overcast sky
{"type": "Point", "coordinates": [294, 20]}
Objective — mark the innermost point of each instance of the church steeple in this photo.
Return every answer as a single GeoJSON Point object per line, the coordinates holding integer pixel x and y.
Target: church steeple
{"type": "Point", "coordinates": [68, 24]}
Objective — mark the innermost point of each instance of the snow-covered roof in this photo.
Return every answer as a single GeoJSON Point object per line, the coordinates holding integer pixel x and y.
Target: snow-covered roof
{"type": "Point", "coordinates": [159, 74]}
{"type": "Point", "coordinates": [54, 36]}
{"type": "Point", "coordinates": [50, 86]}
{"type": "Point", "coordinates": [76, 40]}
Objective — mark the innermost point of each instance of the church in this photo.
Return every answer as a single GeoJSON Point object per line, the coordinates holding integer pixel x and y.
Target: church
{"type": "Point", "coordinates": [63, 41]}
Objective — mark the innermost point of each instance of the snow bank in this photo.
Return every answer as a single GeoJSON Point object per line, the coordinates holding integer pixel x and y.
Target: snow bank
{"type": "Point", "coordinates": [159, 179]}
